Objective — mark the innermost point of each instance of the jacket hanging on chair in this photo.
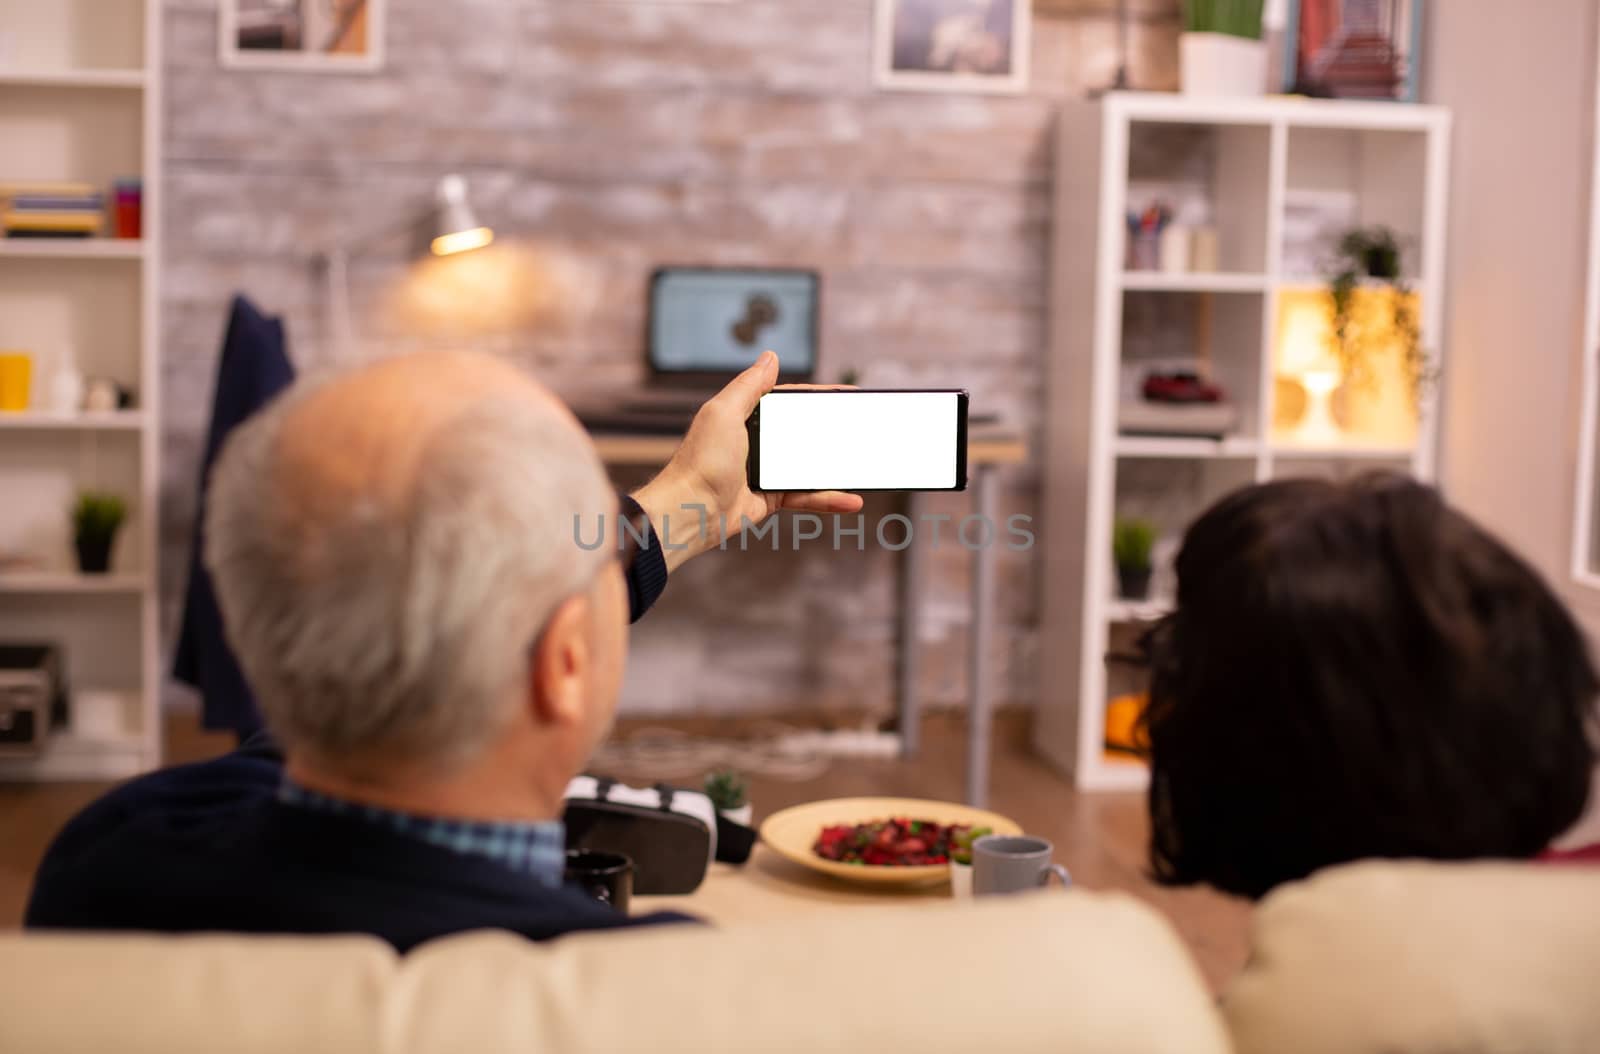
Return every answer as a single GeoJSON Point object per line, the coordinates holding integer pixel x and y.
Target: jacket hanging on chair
{"type": "Point", "coordinates": [254, 367]}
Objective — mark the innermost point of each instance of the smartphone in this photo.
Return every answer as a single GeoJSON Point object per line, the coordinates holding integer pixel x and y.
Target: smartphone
{"type": "Point", "coordinates": [859, 439]}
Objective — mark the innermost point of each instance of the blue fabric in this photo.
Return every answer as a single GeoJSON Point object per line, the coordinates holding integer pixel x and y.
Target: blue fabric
{"type": "Point", "coordinates": [647, 578]}
{"type": "Point", "coordinates": [254, 367]}
{"type": "Point", "coordinates": [538, 850]}
{"type": "Point", "coordinates": [210, 846]}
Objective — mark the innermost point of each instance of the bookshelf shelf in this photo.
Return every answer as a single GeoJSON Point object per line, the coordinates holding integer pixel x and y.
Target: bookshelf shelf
{"type": "Point", "coordinates": [72, 248]}
{"type": "Point", "coordinates": [1180, 282]}
{"type": "Point", "coordinates": [46, 583]}
{"type": "Point", "coordinates": [122, 80]}
{"type": "Point", "coordinates": [110, 421]}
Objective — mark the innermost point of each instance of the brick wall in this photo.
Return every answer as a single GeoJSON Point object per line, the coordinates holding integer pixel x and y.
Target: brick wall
{"type": "Point", "coordinates": [603, 138]}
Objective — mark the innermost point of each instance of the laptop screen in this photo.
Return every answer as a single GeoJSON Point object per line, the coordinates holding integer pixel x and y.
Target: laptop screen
{"type": "Point", "coordinates": [718, 320]}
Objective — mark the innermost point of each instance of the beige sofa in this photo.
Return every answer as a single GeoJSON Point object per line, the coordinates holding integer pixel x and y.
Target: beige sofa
{"type": "Point", "coordinates": [1388, 958]}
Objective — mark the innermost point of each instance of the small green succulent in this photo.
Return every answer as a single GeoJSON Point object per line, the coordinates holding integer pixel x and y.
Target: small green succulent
{"type": "Point", "coordinates": [727, 789]}
{"type": "Point", "coordinates": [97, 516]}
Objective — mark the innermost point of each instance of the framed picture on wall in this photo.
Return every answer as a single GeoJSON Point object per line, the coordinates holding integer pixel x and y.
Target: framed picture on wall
{"type": "Point", "coordinates": [327, 36]}
{"type": "Point", "coordinates": [1354, 49]}
{"type": "Point", "coordinates": [952, 45]}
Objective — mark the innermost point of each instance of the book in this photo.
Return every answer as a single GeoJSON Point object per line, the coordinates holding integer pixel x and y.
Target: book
{"type": "Point", "coordinates": [47, 203]}
{"type": "Point", "coordinates": [49, 234]}
{"type": "Point", "coordinates": [49, 189]}
{"type": "Point", "coordinates": [50, 221]}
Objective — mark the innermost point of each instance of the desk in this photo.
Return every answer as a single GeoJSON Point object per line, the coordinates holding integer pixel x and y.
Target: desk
{"type": "Point", "coordinates": [987, 450]}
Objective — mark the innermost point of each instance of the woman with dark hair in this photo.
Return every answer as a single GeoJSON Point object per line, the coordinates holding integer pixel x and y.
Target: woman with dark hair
{"type": "Point", "coordinates": [1355, 670]}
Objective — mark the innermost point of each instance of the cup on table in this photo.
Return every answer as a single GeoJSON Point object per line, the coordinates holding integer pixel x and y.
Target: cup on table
{"type": "Point", "coordinates": [1004, 863]}
{"type": "Point", "coordinates": [16, 380]}
{"type": "Point", "coordinates": [607, 877]}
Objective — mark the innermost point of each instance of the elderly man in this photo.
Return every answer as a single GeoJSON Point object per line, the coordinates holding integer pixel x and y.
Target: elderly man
{"type": "Point", "coordinates": [396, 557]}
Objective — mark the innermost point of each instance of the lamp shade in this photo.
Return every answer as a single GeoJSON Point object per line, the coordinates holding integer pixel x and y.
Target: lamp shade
{"type": "Point", "coordinates": [455, 226]}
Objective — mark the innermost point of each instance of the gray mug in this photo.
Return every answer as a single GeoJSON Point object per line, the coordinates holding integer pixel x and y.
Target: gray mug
{"type": "Point", "coordinates": [1003, 863]}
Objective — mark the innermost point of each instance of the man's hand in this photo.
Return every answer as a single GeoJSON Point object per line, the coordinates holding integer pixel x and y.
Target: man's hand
{"type": "Point", "coordinates": [709, 470]}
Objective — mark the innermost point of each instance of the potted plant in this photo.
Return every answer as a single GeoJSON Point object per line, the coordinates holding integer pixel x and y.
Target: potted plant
{"type": "Point", "coordinates": [730, 796]}
{"type": "Point", "coordinates": [95, 519]}
{"type": "Point", "coordinates": [1221, 51]}
{"type": "Point", "coordinates": [961, 860]}
{"type": "Point", "coordinates": [1364, 257]}
{"type": "Point", "coordinates": [1131, 544]}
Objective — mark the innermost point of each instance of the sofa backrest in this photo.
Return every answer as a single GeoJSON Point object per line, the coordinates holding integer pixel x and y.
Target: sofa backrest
{"type": "Point", "coordinates": [1048, 972]}
{"type": "Point", "coordinates": [1416, 958]}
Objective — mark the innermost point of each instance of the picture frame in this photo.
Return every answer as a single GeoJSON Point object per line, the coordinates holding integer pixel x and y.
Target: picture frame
{"type": "Point", "coordinates": [952, 45]}
{"type": "Point", "coordinates": [308, 36]}
{"type": "Point", "coordinates": [1354, 49]}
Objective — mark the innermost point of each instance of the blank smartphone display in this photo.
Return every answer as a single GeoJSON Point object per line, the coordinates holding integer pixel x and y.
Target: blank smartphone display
{"type": "Point", "coordinates": [859, 440]}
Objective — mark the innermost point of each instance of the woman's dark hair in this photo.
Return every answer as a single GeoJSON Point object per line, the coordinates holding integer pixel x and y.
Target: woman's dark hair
{"type": "Point", "coordinates": [1355, 670]}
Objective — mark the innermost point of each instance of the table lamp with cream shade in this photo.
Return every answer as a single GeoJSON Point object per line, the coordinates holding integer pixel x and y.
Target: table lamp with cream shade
{"type": "Point", "coordinates": [1305, 355]}
{"type": "Point", "coordinates": [448, 227]}
{"type": "Point", "coordinates": [1365, 395]}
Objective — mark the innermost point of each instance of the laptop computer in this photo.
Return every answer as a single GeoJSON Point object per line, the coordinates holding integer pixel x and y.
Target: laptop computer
{"type": "Point", "coordinates": [706, 324]}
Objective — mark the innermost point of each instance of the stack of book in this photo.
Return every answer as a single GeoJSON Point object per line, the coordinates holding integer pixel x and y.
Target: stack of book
{"type": "Point", "coordinates": [50, 210]}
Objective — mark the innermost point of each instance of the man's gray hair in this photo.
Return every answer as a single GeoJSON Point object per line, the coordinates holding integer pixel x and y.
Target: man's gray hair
{"type": "Point", "coordinates": [396, 627]}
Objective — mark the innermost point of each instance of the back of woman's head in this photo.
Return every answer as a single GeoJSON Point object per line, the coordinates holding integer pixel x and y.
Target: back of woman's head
{"type": "Point", "coordinates": [1355, 670]}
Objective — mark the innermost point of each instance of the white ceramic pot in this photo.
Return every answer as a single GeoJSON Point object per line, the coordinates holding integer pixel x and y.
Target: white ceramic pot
{"type": "Point", "coordinates": [960, 881]}
{"type": "Point", "coordinates": [1222, 64]}
{"type": "Point", "coordinates": [742, 815]}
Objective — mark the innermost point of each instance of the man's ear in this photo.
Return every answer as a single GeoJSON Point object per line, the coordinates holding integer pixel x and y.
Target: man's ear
{"type": "Point", "coordinates": [560, 666]}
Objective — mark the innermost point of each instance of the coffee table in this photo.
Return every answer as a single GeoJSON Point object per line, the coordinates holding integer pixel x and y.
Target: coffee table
{"type": "Point", "coordinates": [768, 886]}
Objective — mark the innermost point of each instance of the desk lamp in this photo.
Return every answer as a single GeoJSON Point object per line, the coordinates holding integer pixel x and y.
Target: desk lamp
{"type": "Point", "coordinates": [448, 227]}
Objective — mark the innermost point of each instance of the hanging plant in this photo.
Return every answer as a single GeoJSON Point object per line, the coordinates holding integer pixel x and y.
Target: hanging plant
{"type": "Point", "coordinates": [1364, 255]}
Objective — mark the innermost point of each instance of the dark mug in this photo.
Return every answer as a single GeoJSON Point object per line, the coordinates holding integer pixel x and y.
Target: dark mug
{"type": "Point", "coordinates": [1013, 864]}
{"type": "Point", "coordinates": [607, 877]}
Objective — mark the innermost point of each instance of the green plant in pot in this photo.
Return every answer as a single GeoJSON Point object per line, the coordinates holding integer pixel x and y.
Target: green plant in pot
{"type": "Point", "coordinates": [1221, 52]}
{"type": "Point", "coordinates": [730, 795]}
{"type": "Point", "coordinates": [1370, 258]}
{"type": "Point", "coordinates": [1132, 542]}
{"type": "Point", "coordinates": [95, 520]}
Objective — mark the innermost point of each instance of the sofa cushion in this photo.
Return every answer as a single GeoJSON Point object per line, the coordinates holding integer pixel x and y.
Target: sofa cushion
{"type": "Point", "coordinates": [1413, 957]}
{"type": "Point", "coordinates": [1047, 972]}
{"type": "Point", "coordinates": [160, 994]}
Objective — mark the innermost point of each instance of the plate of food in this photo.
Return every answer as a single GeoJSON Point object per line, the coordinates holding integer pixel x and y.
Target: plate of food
{"type": "Point", "coordinates": [894, 841]}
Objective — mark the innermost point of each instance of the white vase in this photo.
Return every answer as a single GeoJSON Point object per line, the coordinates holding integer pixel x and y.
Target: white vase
{"type": "Point", "coordinates": [1222, 64]}
{"type": "Point", "coordinates": [742, 815]}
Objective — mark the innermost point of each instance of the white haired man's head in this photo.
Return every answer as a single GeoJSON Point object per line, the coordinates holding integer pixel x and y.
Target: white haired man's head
{"type": "Point", "coordinates": [395, 554]}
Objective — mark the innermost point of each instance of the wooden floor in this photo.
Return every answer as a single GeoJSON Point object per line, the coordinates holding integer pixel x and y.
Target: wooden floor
{"type": "Point", "coordinates": [1100, 838]}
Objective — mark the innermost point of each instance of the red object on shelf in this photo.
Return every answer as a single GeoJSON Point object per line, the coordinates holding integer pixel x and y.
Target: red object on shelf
{"type": "Point", "coordinates": [1180, 387]}
{"type": "Point", "coordinates": [128, 208]}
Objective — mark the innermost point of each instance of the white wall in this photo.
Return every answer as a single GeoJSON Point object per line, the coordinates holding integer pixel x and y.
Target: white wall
{"type": "Point", "coordinates": [1521, 80]}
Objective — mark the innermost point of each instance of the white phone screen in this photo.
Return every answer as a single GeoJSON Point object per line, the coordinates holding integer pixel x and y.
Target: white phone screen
{"type": "Point", "coordinates": [860, 440]}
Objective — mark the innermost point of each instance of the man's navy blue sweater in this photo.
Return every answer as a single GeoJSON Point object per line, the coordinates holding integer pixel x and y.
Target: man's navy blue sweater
{"type": "Point", "coordinates": [209, 846]}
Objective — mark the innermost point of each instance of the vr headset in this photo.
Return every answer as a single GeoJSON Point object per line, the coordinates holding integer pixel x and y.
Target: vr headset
{"type": "Point", "coordinates": [671, 835]}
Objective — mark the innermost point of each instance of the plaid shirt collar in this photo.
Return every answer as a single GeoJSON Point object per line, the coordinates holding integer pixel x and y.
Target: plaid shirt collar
{"type": "Point", "coordinates": [534, 849]}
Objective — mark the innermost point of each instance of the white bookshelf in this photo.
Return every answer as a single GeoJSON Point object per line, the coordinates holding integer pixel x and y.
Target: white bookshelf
{"type": "Point", "coordinates": [1255, 168]}
{"type": "Point", "coordinates": [80, 102]}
